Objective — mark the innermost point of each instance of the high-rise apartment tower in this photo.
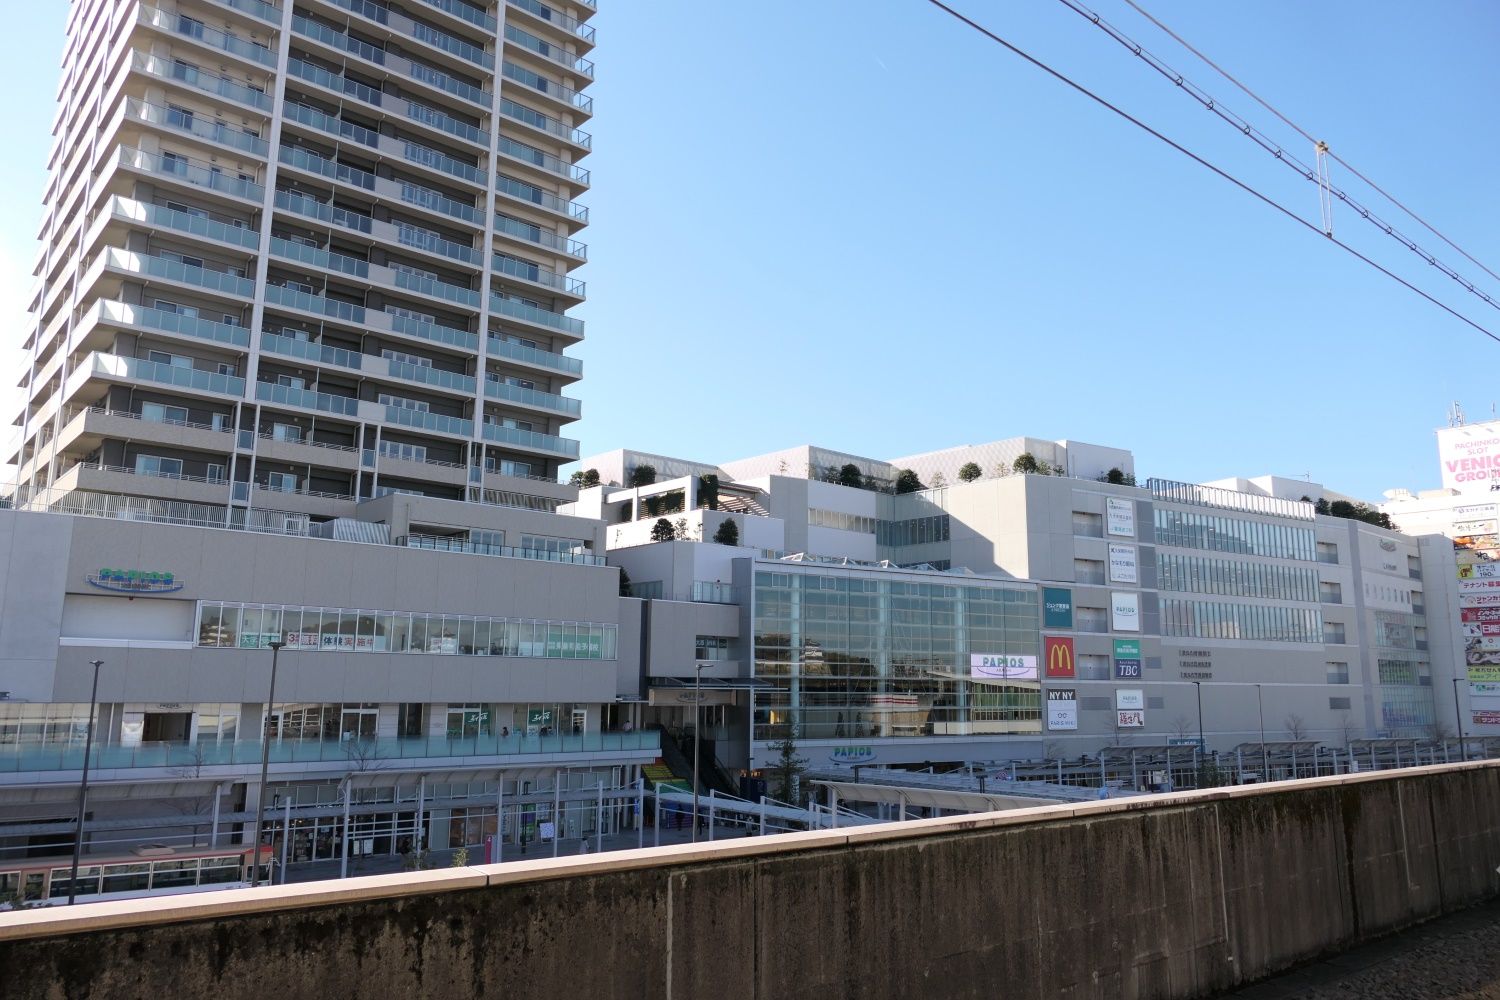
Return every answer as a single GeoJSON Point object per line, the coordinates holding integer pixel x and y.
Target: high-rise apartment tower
{"type": "Point", "coordinates": [303, 253]}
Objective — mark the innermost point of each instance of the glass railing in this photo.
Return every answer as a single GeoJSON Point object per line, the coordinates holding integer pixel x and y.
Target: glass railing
{"type": "Point", "coordinates": [573, 25]}
{"type": "Point", "coordinates": [304, 160]}
{"type": "Point", "coordinates": [174, 270]}
{"type": "Point", "coordinates": [428, 157]}
{"type": "Point", "coordinates": [555, 53]}
{"type": "Point", "coordinates": [538, 120]}
{"type": "Point", "coordinates": [429, 421]}
{"type": "Point", "coordinates": [212, 37]}
{"type": "Point", "coordinates": [499, 348]}
{"type": "Point", "coordinates": [522, 191]}
{"type": "Point", "coordinates": [541, 237]}
{"type": "Point", "coordinates": [540, 275]}
{"type": "Point", "coordinates": [422, 239]}
{"type": "Point", "coordinates": [434, 332]}
{"type": "Point", "coordinates": [466, 11]}
{"type": "Point", "coordinates": [169, 322]}
{"type": "Point", "coordinates": [545, 161]}
{"type": "Point", "coordinates": [295, 298]}
{"type": "Point", "coordinates": [293, 348]}
{"type": "Point", "coordinates": [531, 314]}
{"type": "Point", "coordinates": [201, 79]}
{"type": "Point", "coordinates": [301, 204]}
{"type": "Point", "coordinates": [291, 250]}
{"type": "Point", "coordinates": [273, 392]}
{"type": "Point", "coordinates": [532, 397]}
{"type": "Point", "coordinates": [255, 8]}
{"type": "Point", "coordinates": [187, 121]}
{"type": "Point", "coordinates": [427, 198]}
{"type": "Point", "coordinates": [323, 78]}
{"type": "Point", "coordinates": [437, 289]}
{"type": "Point", "coordinates": [190, 173]}
{"type": "Point", "coordinates": [441, 543]}
{"type": "Point", "coordinates": [433, 376]}
{"type": "Point", "coordinates": [543, 85]}
{"type": "Point", "coordinates": [184, 222]}
{"type": "Point", "coordinates": [442, 81]}
{"type": "Point", "coordinates": [437, 119]}
{"type": "Point", "coordinates": [120, 366]}
{"type": "Point", "coordinates": [337, 39]}
{"type": "Point", "coordinates": [551, 443]}
{"type": "Point", "coordinates": [453, 46]}
{"type": "Point", "coordinates": [313, 118]}
{"type": "Point", "coordinates": [42, 757]}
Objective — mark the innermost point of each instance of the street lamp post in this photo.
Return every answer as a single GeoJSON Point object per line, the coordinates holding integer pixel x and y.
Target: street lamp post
{"type": "Point", "coordinates": [1458, 719]}
{"type": "Point", "coordinates": [1202, 747]}
{"type": "Point", "coordinates": [697, 740]}
{"type": "Point", "coordinates": [83, 784]}
{"type": "Point", "coordinates": [265, 763]}
{"type": "Point", "coordinates": [1265, 768]}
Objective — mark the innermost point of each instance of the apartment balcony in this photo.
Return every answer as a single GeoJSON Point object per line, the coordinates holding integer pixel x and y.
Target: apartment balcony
{"type": "Point", "coordinates": [442, 543]}
{"type": "Point", "coordinates": [467, 55]}
{"type": "Point", "coordinates": [255, 8]}
{"type": "Point", "coordinates": [555, 54]}
{"type": "Point", "coordinates": [306, 399]}
{"type": "Point", "coordinates": [140, 215]}
{"type": "Point", "coordinates": [531, 315]}
{"type": "Point", "coordinates": [530, 195]}
{"type": "Point", "coordinates": [433, 161]}
{"type": "Point", "coordinates": [531, 441]}
{"type": "Point", "coordinates": [379, 62]}
{"type": "Point", "coordinates": [533, 399]}
{"type": "Point", "coordinates": [88, 428]}
{"type": "Point", "coordinates": [534, 274]}
{"type": "Point", "coordinates": [443, 473]}
{"type": "Point", "coordinates": [375, 102]}
{"type": "Point", "coordinates": [537, 159]}
{"type": "Point", "coordinates": [540, 14]}
{"type": "Point", "coordinates": [461, 11]}
{"type": "Point", "coordinates": [216, 86]}
{"type": "Point", "coordinates": [315, 306]}
{"type": "Point", "coordinates": [186, 123]}
{"type": "Point", "coordinates": [369, 365]}
{"type": "Point", "coordinates": [424, 420]}
{"type": "Point", "coordinates": [106, 316]}
{"type": "Point", "coordinates": [167, 271]}
{"type": "Point", "coordinates": [536, 236]}
{"type": "Point", "coordinates": [179, 26]}
{"type": "Point", "coordinates": [98, 478]}
{"type": "Point", "coordinates": [532, 357]}
{"type": "Point", "coordinates": [180, 172]}
{"type": "Point", "coordinates": [315, 503]}
{"type": "Point", "coordinates": [127, 370]}
{"type": "Point", "coordinates": [535, 119]}
{"type": "Point", "coordinates": [304, 451]}
{"type": "Point", "coordinates": [376, 276]}
{"type": "Point", "coordinates": [421, 330]}
{"type": "Point", "coordinates": [172, 758]}
{"type": "Point", "coordinates": [572, 101]}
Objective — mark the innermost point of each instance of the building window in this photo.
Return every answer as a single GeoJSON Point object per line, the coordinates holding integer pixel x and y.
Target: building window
{"type": "Point", "coordinates": [712, 647]}
{"type": "Point", "coordinates": [1338, 673]}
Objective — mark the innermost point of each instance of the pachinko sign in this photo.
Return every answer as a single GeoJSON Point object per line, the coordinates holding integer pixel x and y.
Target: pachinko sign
{"type": "Point", "coordinates": [1470, 456]}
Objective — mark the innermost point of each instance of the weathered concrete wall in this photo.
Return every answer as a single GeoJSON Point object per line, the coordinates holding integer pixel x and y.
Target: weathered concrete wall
{"type": "Point", "coordinates": [1177, 896]}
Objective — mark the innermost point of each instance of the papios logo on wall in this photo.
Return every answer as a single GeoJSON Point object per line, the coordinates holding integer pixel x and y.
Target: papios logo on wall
{"type": "Point", "coordinates": [1058, 653]}
{"type": "Point", "coordinates": [134, 581]}
{"type": "Point", "coordinates": [851, 755]}
{"type": "Point", "coordinates": [993, 666]}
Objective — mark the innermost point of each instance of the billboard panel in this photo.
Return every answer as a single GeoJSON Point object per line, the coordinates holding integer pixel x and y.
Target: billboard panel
{"type": "Point", "coordinates": [998, 667]}
{"type": "Point", "coordinates": [1062, 708]}
{"type": "Point", "coordinates": [1130, 719]}
{"type": "Point", "coordinates": [1130, 699]}
{"type": "Point", "coordinates": [1470, 456]}
{"type": "Point", "coordinates": [1119, 517]}
{"type": "Point", "coordinates": [1122, 564]}
{"type": "Point", "coordinates": [1058, 653]}
{"type": "Point", "coordinates": [1057, 607]}
{"type": "Point", "coordinates": [1125, 612]}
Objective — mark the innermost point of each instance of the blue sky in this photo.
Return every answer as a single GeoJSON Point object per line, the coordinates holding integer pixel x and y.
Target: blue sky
{"type": "Point", "coordinates": [865, 226]}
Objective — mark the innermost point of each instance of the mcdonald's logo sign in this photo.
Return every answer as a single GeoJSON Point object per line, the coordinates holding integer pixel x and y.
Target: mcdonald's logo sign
{"type": "Point", "coordinates": [1058, 654]}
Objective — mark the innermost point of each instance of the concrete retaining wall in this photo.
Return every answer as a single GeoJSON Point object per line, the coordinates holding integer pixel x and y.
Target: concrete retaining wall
{"type": "Point", "coordinates": [1174, 896]}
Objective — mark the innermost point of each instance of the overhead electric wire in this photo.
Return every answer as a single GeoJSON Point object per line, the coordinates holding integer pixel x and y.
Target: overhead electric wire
{"type": "Point", "coordinates": [1303, 132]}
{"type": "Point", "coordinates": [1273, 147]}
{"type": "Point", "coordinates": [1056, 74]}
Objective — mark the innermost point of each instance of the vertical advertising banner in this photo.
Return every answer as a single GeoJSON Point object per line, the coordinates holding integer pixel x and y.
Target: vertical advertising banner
{"type": "Point", "coordinates": [1125, 612]}
{"type": "Point", "coordinates": [1119, 517]}
{"type": "Point", "coordinates": [1057, 607]}
{"type": "Point", "coordinates": [1122, 564]}
{"type": "Point", "coordinates": [1128, 659]}
{"type": "Point", "coordinates": [1057, 653]}
{"type": "Point", "coordinates": [1062, 708]}
{"type": "Point", "coordinates": [1470, 456]}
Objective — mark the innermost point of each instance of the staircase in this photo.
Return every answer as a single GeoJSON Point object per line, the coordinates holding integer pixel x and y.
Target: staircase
{"type": "Point", "coordinates": [658, 775]}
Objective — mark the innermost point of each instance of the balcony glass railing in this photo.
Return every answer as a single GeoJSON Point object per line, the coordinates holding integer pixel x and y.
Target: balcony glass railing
{"type": "Point", "coordinates": [550, 443]}
{"type": "Point", "coordinates": [290, 250]}
{"type": "Point", "coordinates": [180, 168]}
{"type": "Point", "coordinates": [541, 317]}
{"type": "Point", "coordinates": [433, 376]}
{"type": "Point", "coordinates": [174, 270]}
{"type": "Point", "coordinates": [442, 81]}
{"type": "Point", "coordinates": [337, 39]}
{"type": "Point", "coordinates": [427, 198]}
{"type": "Point", "coordinates": [330, 124]}
{"type": "Point", "coordinates": [295, 298]}
{"type": "Point", "coordinates": [532, 397]}
{"type": "Point", "coordinates": [499, 348]}
{"type": "Point", "coordinates": [255, 8]}
{"type": "Point", "coordinates": [437, 289]}
{"type": "Point", "coordinates": [181, 24]}
{"type": "Point", "coordinates": [453, 46]}
{"type": "Point", "coordinates": [203, 128]}
{"type": "Point", "coordinates": [569, 24]}
{"type": "Point", "coordinates": [120, 366]}
{"type": "Point", "coordinates": [440, 543]}
{"type": "Point", "coordinates": [437, 119]}
{"type": "Point", "coordinates": [291, 347]}
{"type": "Point", "coordinates": [545, 86]}
{"type": "Point", "coordinates": [161, 217]}
{"type": "Point", "coordinates": [169, 322]}
{"type": "Point", "coordinates": [272, 392]}
{"type": "Point", "coordinates": [466, 11]}
{"type": "Point", "coordinates": [313, 163]}
{"type": "Point", "coordinates": [423, 239]}
{"type": "Point", "coordinates": [546, 161]}
{"type": "Point", "coordinates": [537, 275]}
{"type": "Point", "coordinates": [427, 420]}
{"type": "Point", "coordinates": [541, 237]}
{"type": "Point", "coordinates": [538, 120]}
{"type": "Point", "coordinates": [174, 757]}
{"type": "Point", "coordinates": [522, 191]}
{"type": "Point", "coordinates": [554, 53]}
{"type": "Point", "coordinates": [433, 332]}
{"type": "Point", "coordinates": [301, 204]}
{"type": "Point", "coordinates": [415, 152]}
{"type": "Point", "coordinates": [333, 81]}
{"type": "Point", "coordinates": [201, 79]}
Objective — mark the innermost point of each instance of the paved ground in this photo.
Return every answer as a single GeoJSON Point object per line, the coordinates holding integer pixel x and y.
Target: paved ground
{"type": "Point", "coordinates": [1454, 958]}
